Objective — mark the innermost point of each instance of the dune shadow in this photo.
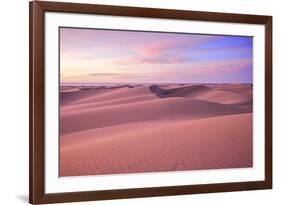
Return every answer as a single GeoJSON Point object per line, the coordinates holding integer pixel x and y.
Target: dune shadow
{"type": "Point", "coordinates": [184, 91]}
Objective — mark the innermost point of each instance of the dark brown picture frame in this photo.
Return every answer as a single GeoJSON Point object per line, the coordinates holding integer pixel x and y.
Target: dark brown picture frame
{"type": "Point", "coordinates": [37, 193]}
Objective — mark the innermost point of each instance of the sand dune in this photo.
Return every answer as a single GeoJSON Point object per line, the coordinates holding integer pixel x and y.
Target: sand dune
{"type": "Point", "coordinates": [245, 89]}
{"type": "Point", "coordinates": [109, 94]}
{"type": "Point", "coordinates": [117, 101]}
{"type": "Point", "coordinates": [156, 109]}
{"type": "Point", "coordinates": [155, 128]}
{"type": "Point", "coordinates": [166, 146]}
{"type": "Point", "coordinates": [71, 96]}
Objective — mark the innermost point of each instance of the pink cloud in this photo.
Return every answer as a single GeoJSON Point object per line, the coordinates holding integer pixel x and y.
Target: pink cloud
{"type": "Point", "coordinates": [155, 49]}
{"type": "Point", "coordinates": [151, 60]}
{"type": "Point", "coordinates": [160, 46]}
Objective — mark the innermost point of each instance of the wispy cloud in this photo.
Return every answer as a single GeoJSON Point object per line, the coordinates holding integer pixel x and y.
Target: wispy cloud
{"type": "Point", "coordinates": [103, 74]}
{"type": "Point", "coordinates": [150, 60]}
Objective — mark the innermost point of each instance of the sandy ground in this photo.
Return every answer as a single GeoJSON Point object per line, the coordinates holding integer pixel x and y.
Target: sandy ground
{"type": "Point", "coordinates": [155, 128]}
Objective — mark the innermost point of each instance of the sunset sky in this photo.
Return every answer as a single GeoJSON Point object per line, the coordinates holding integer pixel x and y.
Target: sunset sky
{"type": "Point", "coordinates": [106, 56]}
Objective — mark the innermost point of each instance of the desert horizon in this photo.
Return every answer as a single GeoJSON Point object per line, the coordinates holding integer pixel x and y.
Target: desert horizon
{"type": "Point", "coordinates": [154, 128]}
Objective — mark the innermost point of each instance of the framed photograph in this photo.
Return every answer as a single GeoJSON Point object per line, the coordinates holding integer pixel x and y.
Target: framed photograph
{"type": "Point", "coordinates": [138, 102]}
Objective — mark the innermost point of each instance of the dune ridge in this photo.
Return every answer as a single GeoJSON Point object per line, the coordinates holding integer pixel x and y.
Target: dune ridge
{"type": "Point", "coordinates": [203, 92]}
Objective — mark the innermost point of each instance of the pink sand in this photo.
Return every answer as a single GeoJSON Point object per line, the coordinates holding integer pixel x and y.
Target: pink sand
{"type": "Point", "coordinates": [168, 128]}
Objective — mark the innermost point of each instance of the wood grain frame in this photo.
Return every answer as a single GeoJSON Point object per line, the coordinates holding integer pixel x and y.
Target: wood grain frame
{"type": "Point", "coordinates": [37, 193]}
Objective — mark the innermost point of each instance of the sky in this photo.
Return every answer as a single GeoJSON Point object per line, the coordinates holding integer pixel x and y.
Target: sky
{"type": "Point", "coordinates": [113, 56]}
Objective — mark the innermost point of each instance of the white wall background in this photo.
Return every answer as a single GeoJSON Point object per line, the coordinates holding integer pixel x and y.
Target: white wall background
{"type": "Point", "coordinates": [14, 100]}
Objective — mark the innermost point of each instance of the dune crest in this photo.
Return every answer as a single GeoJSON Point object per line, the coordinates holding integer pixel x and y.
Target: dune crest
{"type": "Point", "coordinates": [186, 91]}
